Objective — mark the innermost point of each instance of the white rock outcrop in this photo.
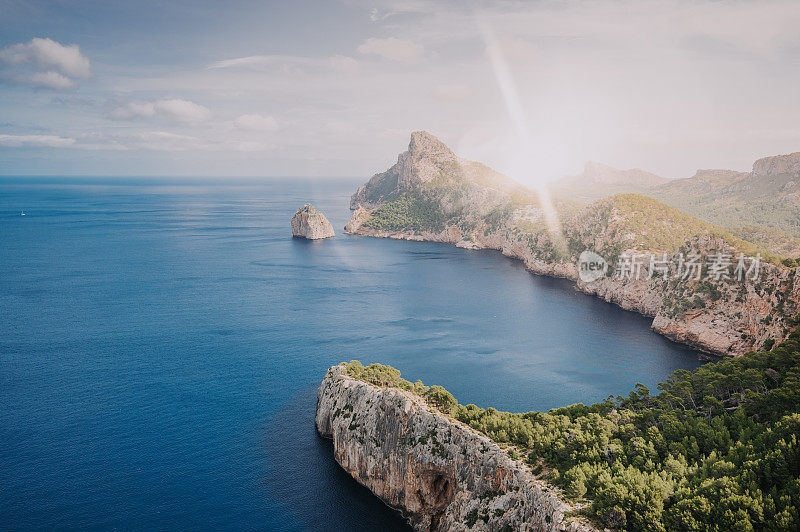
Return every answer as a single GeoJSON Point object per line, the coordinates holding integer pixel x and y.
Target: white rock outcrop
{"type": "Point", "coordinates": [310, 223]}
{"type": "Point", "coordinates": [439, 473]}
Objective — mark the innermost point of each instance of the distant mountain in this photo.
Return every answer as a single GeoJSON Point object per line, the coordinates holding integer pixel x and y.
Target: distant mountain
{"type": "Point", "coordinates": [600, 180]}
{"type": "Point", "coordinates": [704, 182]}
{"type": "Point", "coordinates": [768, 196]}
{"type": "Point", "coordinates": [763, 204]}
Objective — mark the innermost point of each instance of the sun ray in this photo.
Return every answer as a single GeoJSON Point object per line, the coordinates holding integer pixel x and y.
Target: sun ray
{"type": "Point", "coordinates": [516, 113]}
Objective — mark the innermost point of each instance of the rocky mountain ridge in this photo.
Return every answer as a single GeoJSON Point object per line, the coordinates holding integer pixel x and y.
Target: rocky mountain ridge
{"type": "Point", "coordinates": [427, 161]}
{"type": "Point", "coordinates": [767, 196]}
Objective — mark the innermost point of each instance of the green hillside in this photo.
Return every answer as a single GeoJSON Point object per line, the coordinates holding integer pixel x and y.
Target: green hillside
{"type": "Point", "coordinates": [716, 450]}
{"type": "Point", "coordinates": [768, 197]}
{"type": "Point", "coordinates": [648, 225]}
{"type": "Point", "coordinates": [625, 221]}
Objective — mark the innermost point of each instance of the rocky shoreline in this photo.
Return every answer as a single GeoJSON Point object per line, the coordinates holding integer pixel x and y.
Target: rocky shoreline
{"type": "Point", "coordinates": [439, 473]}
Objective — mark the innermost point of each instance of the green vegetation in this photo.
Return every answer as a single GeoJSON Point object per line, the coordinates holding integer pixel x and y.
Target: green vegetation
{"type": "Point", "coordinates": [740, 210]}
{"type": "Point", "coordinates": [381, 187]}
{"type": "Point", "coordinates": [408, 212]}
{"type": "Point", "coordinates": [717, 449]}
{"type": "Point", "coordinates": [654, 226]}
{"type": "Point", "coordinates": [772, 239]}
{"type": "Point", "coordinates": [381, 375]}
{"type": "Point", "coordinates": [760, 208]}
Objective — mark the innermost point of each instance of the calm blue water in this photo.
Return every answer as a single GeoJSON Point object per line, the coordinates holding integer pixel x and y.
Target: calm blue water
{"type": "Point", "coordinates": [160, 348]}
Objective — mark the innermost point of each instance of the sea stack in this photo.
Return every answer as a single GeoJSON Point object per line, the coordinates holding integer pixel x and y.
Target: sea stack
{"type": "Point", "coordinates": [310, 223]}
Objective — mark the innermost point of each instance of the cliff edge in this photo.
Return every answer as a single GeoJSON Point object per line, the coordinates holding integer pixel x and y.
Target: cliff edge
{"type": "Point", "coordinates": [439, 473]}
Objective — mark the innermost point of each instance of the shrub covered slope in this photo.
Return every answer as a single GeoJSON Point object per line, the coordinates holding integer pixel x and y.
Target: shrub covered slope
{"type": "Point", "coordinates": [716, 449]}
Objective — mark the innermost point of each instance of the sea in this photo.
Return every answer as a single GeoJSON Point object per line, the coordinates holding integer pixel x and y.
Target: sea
{"type": "Point", "coordinates": [162, 340]}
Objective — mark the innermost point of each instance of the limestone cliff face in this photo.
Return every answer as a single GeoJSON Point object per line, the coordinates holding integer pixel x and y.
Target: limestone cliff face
{"type": "Point", "coordinates": [728, 318]}
{"type": "Point", "coordinates": [310, 223]}
{"type": "Point", "coordinates": [427, 160]}
{"type": "Point", "coordinates": [439, 473]}
{"type": "Point", "coordinates": [778, 165]}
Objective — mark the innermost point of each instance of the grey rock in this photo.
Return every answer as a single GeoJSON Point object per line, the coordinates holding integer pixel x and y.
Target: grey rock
{"type": "Point", "coordinates": [440, 473]}
{"type": "Point", "coordinates": [310, 223]}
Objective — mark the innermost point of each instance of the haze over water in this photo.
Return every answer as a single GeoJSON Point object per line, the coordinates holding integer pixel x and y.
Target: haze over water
{"type": "Point", "coordinates": [161, 345]}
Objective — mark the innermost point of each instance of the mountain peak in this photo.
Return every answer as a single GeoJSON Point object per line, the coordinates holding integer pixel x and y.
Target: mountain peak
{"type": "Point", "coordinates": [424, 144]}
{"type": "Point", "coordinates": [427, 162]}
{"type": "Point", "coordinates": [595, 172]}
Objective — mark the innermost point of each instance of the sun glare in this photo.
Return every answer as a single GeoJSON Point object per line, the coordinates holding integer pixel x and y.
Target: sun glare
{"type": "Point", "coordinates": [524, 162]}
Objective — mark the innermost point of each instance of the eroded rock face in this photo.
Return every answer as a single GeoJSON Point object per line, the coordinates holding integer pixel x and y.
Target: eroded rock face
{"type": "Point", "coordinates": [440, 473]}
{"type": "Point", "coordinates": [777, 165]}
{"type": "Point", "coordinates": [310, 223]}
{"type": "Point", "coordinates": [358, 218]}
{"type": "Point", "coordinates": [427, 160]}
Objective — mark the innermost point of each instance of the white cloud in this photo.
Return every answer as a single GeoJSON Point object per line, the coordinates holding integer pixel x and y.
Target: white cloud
{"type": "Point", "coordinates": [46, 63]}
{"type": "Point", "coordinates": [287, 64]}
{"type": "Point", "coordinates": [164, 141]}
{"type": "Point", "coordinates": [343, 63]}
{"type": "Point", "coordinates": [46, 141]}
{"type": "Point", "coordinates": [146, 140]}
{"type": "Point", "coordinates": [51, 80]}
{"type": "Point", "coordinates": [253, 61]}
{"type": "Point", "coordinates": [132, 110]}
{"type": "Point", "coordinates": [455, 92]}
{"type": "Point", "coordinates": [175, 110]}
{"type": "Point", "coordinates": [182, 111]}
{"type": "Point", "coordinates": [256, 123]}
{"type": "Point", "coordinates": [143, 140]}
{"type": "Point", "coordinates": [393, 48]}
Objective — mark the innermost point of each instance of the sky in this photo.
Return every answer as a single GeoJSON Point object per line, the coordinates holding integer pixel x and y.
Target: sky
{"type": "Point", "coordinates": [196, 88]}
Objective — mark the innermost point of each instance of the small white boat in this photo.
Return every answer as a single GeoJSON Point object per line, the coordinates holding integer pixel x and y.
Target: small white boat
{"type": "Point", "coordinates": [22, 213]}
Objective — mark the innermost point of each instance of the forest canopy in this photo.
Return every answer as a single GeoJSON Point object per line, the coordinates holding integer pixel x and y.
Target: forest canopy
{"type": "Point", "coordinates": [716, 449]}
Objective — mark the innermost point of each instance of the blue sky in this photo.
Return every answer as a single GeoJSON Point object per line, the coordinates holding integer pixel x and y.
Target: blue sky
{"type": "Point", "coordinates": [335, 88]}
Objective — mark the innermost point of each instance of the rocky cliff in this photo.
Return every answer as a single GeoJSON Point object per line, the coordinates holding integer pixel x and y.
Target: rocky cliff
{"type": "Point", "coordinates": [310, 223]}
{"type": "Point", "coordinates": [427, 162]}
{"type": "Point", "coordinates": [439, 473]}
{"type": "Point", "coordinates": [766, 197]}
{"type": "Point", "coordinates": [473, 209]}
{"type": "Point", "coordinates": [778, 165]}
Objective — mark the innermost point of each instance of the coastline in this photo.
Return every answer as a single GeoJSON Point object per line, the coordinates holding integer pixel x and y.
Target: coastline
{"type": "Point", "coordinates": [703, 331]}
